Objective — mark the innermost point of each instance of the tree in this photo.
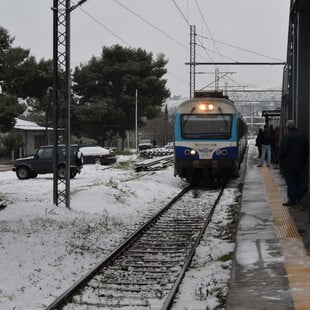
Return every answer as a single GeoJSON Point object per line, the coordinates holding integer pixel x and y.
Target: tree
{"type": "Point", "coordinates": [106, 88]}
{"type": "Point", "coordinates": [23, 77]}
{"type": "Point", "coordinates": [9, 58]}
{"type": "Point", "coordinates": [9, 110]}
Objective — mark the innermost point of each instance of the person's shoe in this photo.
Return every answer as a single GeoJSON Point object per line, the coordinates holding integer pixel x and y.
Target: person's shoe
{"type": "Point", "coordinates": [259, 165]}
{"type": "Point", "coordinates": [268, 166]}
{"type": "Point", "coordinates": [289, 204]}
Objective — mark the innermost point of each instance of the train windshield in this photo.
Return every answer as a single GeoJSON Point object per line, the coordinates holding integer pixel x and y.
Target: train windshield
{"type": "Point", "coordinates": [206, 126]}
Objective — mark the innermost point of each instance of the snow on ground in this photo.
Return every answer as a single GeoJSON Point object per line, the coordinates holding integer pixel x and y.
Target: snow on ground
{"type": "Point", "coordinates": [45, 249]}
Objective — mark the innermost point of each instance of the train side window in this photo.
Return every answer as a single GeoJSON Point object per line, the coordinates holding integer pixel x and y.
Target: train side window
{"type": "Point", "coordinates": [242, 128]}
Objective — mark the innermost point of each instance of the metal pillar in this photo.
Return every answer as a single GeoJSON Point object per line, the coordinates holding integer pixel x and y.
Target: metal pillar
{"type": "Point", "coordinates": [296, 77]}
{"type": "Point", "coordinates": [192, 68]}
{"type": "Point", "coordinates": [61, 98]}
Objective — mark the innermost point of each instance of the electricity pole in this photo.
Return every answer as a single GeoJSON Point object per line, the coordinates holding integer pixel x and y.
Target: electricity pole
{"type": "Point", "coordinates": [136, 120]}
{"type": "Point", "coordinates": [61, 95]}
{"type": "Point", "coordinates": [192, 68]}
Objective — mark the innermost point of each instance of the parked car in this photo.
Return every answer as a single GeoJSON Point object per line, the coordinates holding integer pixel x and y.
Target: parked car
{"type": "Point", "coordinates": [97, 154]}
{"type": "Point", "coordinates": [42, 162]}
{"type": "Point", "coordinates": [145, 145]}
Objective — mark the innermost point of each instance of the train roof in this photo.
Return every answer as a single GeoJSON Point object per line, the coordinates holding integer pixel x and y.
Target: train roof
{"type": "Point", "coordinates": [209, 94]}
{"type": "Point", "coordinates": [222, 104]}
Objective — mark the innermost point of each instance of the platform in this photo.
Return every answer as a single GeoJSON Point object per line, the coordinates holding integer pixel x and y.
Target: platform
{"type": "Point", "coordinates": [271, 268]}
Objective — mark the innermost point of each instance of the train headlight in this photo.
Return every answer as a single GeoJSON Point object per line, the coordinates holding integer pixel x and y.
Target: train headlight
{"type": "Point", "coordinates": [202, 107]}
{"type": "Point", "coordinates": [206, 106]}
{"type": "Point", "coordinates": [190, 152]}
{"type": "Point", "coordinates": [210, 106]}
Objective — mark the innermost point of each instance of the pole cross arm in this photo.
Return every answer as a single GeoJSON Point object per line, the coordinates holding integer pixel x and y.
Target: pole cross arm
{"type": "Point", "coordinates": [73, 7]}
{"type": "Point", "coordinates": [237, 63]}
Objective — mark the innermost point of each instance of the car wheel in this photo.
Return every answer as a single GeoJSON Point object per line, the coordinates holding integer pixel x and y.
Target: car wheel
{"type": "Point", "coordinates": [61, 172]}
{"type": "Point", "coordinates": [23, 173]}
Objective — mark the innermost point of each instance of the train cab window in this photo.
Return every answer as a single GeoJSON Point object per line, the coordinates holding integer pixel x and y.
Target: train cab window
{"type": "Point", "coordinates": [206, 126]}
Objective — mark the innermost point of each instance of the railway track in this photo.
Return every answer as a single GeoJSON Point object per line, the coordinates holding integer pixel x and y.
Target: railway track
{"type": "Point", "coordinates": [146, 270]}
{"type": "Point", "coordinates": [154, 163]}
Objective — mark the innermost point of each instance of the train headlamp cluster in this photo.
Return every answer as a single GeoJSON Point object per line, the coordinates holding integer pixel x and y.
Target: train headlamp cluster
{"type": "Point", "coordinates": [222, 152]}
{"type": "Point", "coordinates": [190, 152]}
{"type": "Point", "coordinates": [219, 152]}
{"type": "Point", "coordinates": [206, 107]}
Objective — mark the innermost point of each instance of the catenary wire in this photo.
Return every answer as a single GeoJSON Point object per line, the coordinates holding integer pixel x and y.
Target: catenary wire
{"type": "Point", "coordinates": [242, 49]}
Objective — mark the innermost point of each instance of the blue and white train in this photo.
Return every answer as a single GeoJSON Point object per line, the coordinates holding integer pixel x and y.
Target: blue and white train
{"type": "Point", "coordinates": [210, 139]}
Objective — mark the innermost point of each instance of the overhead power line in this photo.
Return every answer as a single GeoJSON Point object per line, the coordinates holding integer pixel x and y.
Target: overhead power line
{"type": "Point", "coordinates": [208, 29]}
{"type": "Point", "coordinates": [188, 23]}
{"type": "Point", "coordinates": [239, 63]}
{"type": "Point", "coordinates": [150, 24]}
{"type": "Point", "coordinates": [182, 14]}
{"type": "Point", "coordinates": [240, 48]}
{"type": "Point", "coordinates": [103, 26]}
{"type": "Point", "coordinates": [210, 50]}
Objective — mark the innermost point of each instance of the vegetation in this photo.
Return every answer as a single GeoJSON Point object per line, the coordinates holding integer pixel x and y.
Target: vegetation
{"type": "Point", "coordinates": [104, 90]}
{"type": "Point", "coordinates": [22, 77]}
{"type": "Point", "coordinates": [9, 109]}
{"type": "Point", "coordinates": [107, 87]}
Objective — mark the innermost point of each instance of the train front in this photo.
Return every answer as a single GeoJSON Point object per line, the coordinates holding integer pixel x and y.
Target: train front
{"type": "Point", "coordinates": [206, 134]}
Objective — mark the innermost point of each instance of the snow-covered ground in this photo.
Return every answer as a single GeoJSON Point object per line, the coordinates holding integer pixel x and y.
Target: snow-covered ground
{"type": "Point", "coordinates": [45, 249]}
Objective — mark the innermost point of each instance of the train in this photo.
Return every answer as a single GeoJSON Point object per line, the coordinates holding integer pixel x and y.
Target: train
{"type": "Point", "coordinates": [210, 139]}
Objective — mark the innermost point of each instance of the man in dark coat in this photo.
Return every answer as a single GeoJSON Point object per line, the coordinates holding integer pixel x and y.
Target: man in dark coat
{"type": "Point", "coordinates": [266, 141]}
{"type": "Point", "coordinates": [293, 159]}
{"type": "Point", "coordinates": [258, 142]}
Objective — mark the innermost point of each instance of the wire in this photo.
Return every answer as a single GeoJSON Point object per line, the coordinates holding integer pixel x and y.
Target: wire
{"type": "Point", "coordinates": [150, 24]}
{"type": "Point", "coordinates": [187, 22]}
{"type": "Point", "coordinates": [103, 26]}
{"type": "Point", "coordinates": [243, 49]}
{"type": "Point", "coordinates": [118, 37]}
{"type": "Point", "coordinates": [204, 21]}
{"type": "Point", "coordinates": [182, 14]}
{"type": "Point", "coordinates": [177, 77]}
{"type": "Point", "coordinates": [208, 49]}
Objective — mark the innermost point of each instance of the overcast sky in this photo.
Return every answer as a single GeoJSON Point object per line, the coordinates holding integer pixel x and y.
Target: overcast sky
{"type": "Point", "coordinates": [162, 26]}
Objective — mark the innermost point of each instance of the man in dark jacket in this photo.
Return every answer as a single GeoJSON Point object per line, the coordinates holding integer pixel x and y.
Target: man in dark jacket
{"type": "Point", "coordinates": [266, 141]}
{"type": "Point", "coordinates": [293, 159]}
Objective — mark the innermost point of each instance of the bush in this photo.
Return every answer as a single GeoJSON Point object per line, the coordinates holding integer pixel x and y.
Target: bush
{"type": "Point", "coordinates": [9, 143]}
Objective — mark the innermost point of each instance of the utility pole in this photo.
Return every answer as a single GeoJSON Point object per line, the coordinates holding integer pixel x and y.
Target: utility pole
{"type": "Point", "coordinates": [61, 95]}
{"type": "Point", "coordinates": [136, 120]}
{"type": "Point", "coordinates": [217, 79]}
{"type": "Point", "coordinates": [192, 68]}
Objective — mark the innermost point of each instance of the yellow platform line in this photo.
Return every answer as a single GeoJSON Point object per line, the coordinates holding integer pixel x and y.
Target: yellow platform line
{"type": "Point", "coordinates": [297, 261]}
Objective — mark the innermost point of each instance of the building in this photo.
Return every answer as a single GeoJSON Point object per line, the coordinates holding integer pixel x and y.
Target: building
{"type": "Point", "coordinates": [31, 136]}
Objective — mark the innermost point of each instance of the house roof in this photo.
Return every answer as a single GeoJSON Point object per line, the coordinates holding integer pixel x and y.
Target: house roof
{"type": "Point", "coordinates": [29, 126]}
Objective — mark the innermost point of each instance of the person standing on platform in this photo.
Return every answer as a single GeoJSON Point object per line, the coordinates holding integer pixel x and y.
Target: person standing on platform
{"type": "Point", "coordinates": [266, 148]}
{"type": "Point", "coordinates": [276, 138]}
{"type": "Point", "coordinates": [293, 160]}
{"type": "Point", "coordinates": [271, 130]}
{"type": "Point", "coordinates": [258, 142]}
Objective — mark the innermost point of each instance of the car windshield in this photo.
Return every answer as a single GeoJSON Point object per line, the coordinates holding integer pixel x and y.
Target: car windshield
{"type": "Point", "coordinates": [206, 126]}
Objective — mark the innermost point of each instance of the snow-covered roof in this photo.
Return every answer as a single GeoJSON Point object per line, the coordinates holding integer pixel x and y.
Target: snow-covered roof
{"type": "Point", "coordinates": [27, 125]}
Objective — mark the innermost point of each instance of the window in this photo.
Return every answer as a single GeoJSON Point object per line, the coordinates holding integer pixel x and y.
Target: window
{"type": "Point", "coordinates": [206, 126]}
{"type": "Point", "coordinates": [45, 153]}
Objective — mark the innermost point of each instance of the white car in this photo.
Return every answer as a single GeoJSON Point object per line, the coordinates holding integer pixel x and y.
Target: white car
{"type": "Point", "coordinates": [96, 153]}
